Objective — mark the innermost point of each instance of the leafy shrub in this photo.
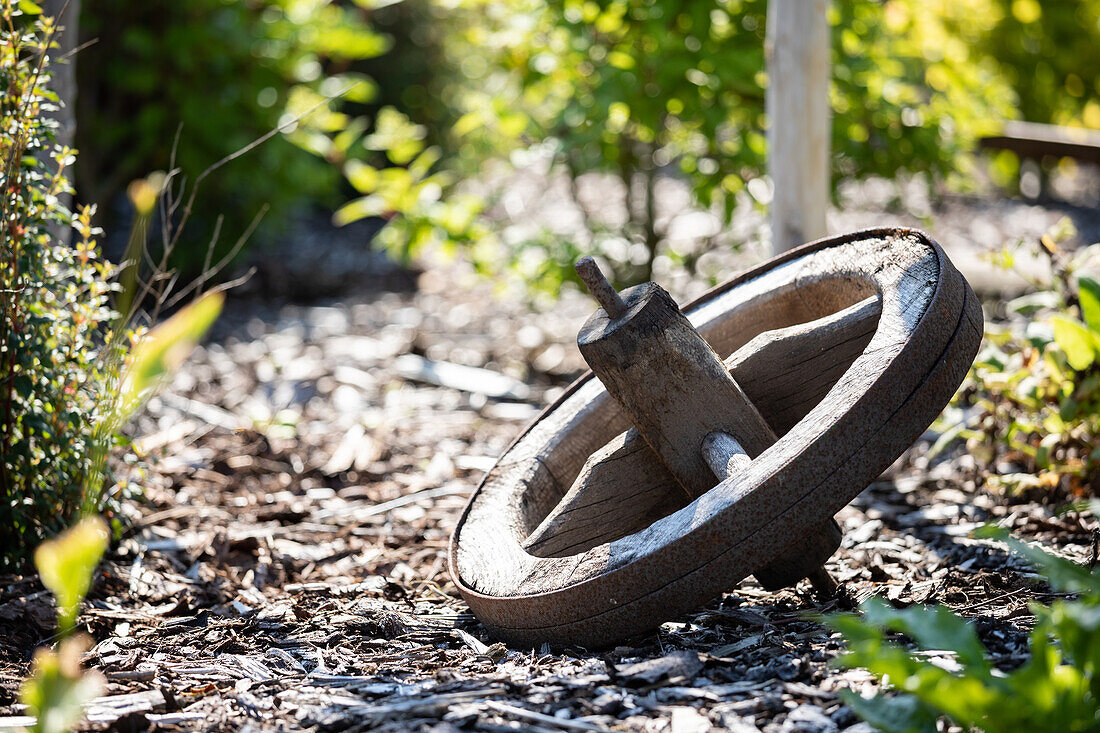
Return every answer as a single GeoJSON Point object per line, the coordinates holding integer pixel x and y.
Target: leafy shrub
{"type": "Point", "coordinates": [1058, 688]}
{"type": "Point", "coordinates": [68, 378]}
{"type": "Point", "coordinates": [410, 191]}
{"type": "Point", "coordinates": [227, 71]}
{"type": "Point", "coordinates": [638, 89]}
{"type": "Point", "coordinates": [911, 93]}
{"type": "Point", "coordinates": [56, 318]}
{"type": "Point", "coordinates": [1032, 398]}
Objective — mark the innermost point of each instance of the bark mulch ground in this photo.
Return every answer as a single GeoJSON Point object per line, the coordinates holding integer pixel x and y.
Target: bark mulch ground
{"type": "Point", "coordinates": [287, 567]}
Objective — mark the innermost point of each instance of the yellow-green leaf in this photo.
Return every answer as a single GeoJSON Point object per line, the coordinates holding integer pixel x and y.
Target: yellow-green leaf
{"type": "Point", "coordinates": [165, 347]}
{"type": "Point", "coordinates": [360, 208]}
{"type": "Point", "coordinates": [363, 177]}
{"type": "Point", "coordinates": [1089, 294]}
{"type": "Point", "coordinates": [57, 688]}
{"type": "Point", "coordinates": [1076, 340]}
{"type": "Point", "coordinates": [29, 7]}
{"type": "Point", "coordinates": [67, 565]}
{"type": "Point", "coordinates": [620, 60]}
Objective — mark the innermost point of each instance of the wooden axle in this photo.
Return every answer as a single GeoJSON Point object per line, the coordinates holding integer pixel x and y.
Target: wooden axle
{"type": "Point", "coordinates": [670, 383]}
{"type": "Point", "coordinates": [683, 401]}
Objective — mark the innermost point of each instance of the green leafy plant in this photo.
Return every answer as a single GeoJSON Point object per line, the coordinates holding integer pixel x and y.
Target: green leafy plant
{"type": "Point", "coordinates": [68, 377]}
{"type": "Point", "coordinates": [410, 190]}
{"type": "Point", "coordinates": [1050, 54]}
{"type": "Point", "coordinates": [57, 687]}
{"type": "Point", "coordinates": [1030, 408]}
{"type": "Point", "coordinates": [67, 565]}
{"type": "Point", "coordinates": [221, 73]}
{"type": "Point", "coordinates": [55, 313]}
{"type": "Point", "coordinates": [1058, 688]}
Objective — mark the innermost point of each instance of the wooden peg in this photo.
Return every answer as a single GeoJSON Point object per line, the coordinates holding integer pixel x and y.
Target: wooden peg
{"type": "Point", "coordinates": [601, 289]}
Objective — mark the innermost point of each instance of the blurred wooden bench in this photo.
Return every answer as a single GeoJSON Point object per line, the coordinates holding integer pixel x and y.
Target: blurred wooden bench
{"type": "Point", "coordinates": [1036, 141]}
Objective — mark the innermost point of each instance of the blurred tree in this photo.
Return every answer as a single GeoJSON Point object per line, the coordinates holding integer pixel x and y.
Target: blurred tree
{"type": "Point", "coordinates": [66, 13]}
{"type": "Point", "coordinates": [1050, 54]}
{"type": "Point", "coordinates": [409, 74]}
{"type": "Point", "coordinates": [222, 72]}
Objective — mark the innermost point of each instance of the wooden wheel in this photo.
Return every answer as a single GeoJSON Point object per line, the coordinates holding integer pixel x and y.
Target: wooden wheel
{"type": "Point", "coordinates": [849, 347]}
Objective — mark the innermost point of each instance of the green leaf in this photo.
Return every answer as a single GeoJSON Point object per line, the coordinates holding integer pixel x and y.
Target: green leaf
{"type": "Point", "coordinates": [1076, 340]}
{"type": "Point", "coordinates": [67, 565]}
{"type": "Point", "coordinates": [361, 208]}
{"type": "Point", "coordinates": [932, 627]}
{"type": "Point", "coordinates": [1089, 295]}
{"type": "Point", "coordinates": [375, 4]}
{"type": "Point", "coordinates": [1063, 575]}
{"type": "Point", "coordinates": [364, 177]}
{"type": "Point", "coordinates": [29, 7]}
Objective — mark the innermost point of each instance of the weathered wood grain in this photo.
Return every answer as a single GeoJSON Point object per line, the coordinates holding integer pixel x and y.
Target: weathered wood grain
{"type": "Point", "coordinates": [807, 558]}
{"type": "Point", "coordinates": [785, 372]}
{"type": "Point", "coordinates": [926, 337]}
{"type": "Point", "coordinates": [724, 455]}
{"type": "Point", "coordinates": [622, 488]}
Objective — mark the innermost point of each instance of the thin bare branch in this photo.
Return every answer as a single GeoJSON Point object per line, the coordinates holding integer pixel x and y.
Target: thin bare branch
{"type": "Point", "coordinates": [209, 273]}
{"type": "Point", "coordinates": [247, 148]}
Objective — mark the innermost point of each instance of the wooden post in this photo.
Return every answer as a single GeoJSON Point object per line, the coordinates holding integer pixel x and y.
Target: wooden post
{"type": "Point", "coordinates": [797, 103]}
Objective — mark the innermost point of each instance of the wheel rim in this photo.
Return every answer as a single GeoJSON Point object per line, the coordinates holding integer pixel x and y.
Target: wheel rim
{"type": "Point", "coordinates": [928, 332]}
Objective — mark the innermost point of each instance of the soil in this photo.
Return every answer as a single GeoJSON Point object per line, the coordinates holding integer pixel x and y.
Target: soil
{"type": "Point", "coordinates": [287, 566]}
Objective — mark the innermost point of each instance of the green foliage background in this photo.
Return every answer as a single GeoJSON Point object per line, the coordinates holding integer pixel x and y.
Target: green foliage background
{"type": "Point", "coordinates": [1058, 688]}
{"type": "Point", "coordinates": [223, 73]}
{"type": "Point", "coordinates": [632, 88]}
{"type": "Point", "coordinates": [639, 89]}
{"type": "Point", "coordinates": [1050, 53]}
{"type": "Point", "coordinates": [1033, 393]}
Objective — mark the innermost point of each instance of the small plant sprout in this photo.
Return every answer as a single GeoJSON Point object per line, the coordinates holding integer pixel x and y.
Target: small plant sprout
{"type": "Point", "coordinates": [57, 687]}
{"type": "Point", "coordinates": [67, 564]}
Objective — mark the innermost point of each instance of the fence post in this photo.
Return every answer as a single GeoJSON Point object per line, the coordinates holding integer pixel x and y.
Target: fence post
{"type": "Point", "coordinates": [797, 103]}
